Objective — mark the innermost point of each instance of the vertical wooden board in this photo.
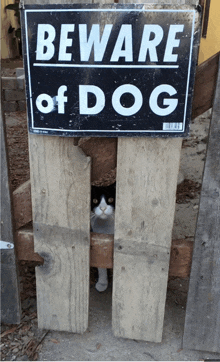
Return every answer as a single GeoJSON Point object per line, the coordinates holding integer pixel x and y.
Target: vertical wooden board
{"type": "Point", "coordinates": [147, 171]}
{"type": "Point", "coordinates": [205, 84]}
{"type": "Point", "coordinates": [60, 178]}
{"type": "Point", "coordinates": [202, 324]}
{"type": "Point", "coordinates": [22, 205]}
{"type": "Point", "coordinates": [145, 203]}
{"type": "Point", "coordinates": [60, 183]}
{"type": "Point", "coordinates": [10, 297]}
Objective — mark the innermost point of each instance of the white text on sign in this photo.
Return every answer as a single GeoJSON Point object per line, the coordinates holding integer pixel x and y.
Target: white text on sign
{"type": "Point", "coordinates": [46, 104]}
{"type": "Point", "coordinates": [152, 37]}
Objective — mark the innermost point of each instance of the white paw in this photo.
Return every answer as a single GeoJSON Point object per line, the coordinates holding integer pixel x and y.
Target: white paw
{"type": "Point", "coordinates": [101, 287]}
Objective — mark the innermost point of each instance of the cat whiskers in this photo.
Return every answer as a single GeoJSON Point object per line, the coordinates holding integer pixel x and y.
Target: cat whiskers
{"type": "Point", "coordinates": [92, 215]}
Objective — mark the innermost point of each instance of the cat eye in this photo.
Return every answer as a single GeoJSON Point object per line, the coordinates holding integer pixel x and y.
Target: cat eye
{"type": "Point", "coordinates": [95, 201]}
{"type": "Point", "coordinates": [110, 200]}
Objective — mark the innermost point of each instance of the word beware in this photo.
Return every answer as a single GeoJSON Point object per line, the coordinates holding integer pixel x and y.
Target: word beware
{"type": "Point", "coordinates": [152, 36]}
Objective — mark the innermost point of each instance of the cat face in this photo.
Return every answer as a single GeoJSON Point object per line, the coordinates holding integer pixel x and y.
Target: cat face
{"type": "Point", "coordinates": [103, 201]}
{"type": "Point", "coordinates": [103, 210]}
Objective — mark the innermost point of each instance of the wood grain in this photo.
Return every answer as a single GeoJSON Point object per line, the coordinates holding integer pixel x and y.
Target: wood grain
{"type": "Point", "coordinates": [103, 153]}
{"type": "Point", "coordinates": [60, 185]}
{"type": "Point", "coordinates": [60, 175]}
{"type": "Point", "coordinates": [22, 205]}
{"type": "Point", "coordinates": [205, 84]}
{"type": "Point", "coordinates": [101, 252]}
{"type": "Point", "coordinates": [181, 258]}
{"type": "Point", "coordinates": [202, 324]}
{"type": "Point", "coordinates": [24, 244]}
{"type": "Point", "coordinates": [146, 179]}
{"type": "Point", "coordinates": [10, 296]}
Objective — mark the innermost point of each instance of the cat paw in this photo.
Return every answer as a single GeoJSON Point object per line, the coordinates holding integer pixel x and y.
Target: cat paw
{"type": "Point", "coordinates": [101, 287]}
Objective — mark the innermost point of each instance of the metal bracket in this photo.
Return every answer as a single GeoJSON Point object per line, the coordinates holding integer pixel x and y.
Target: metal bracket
{"type": "Point", "coordinates": [6, 245]}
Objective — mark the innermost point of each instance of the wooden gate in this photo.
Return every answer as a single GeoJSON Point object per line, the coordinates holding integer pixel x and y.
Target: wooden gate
{"type": "Point", "coordinates": [60, 180]}
{"type": "Point", "coordinates": [61, 216]}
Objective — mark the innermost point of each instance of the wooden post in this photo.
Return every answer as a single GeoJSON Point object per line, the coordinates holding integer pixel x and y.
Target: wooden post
{"type": "Point", "coordinates": [202, 324]}
{"type": "Point", "coordinates": [10, 298]}
{"type": "Point", "coordinates": [147, 171]}
{"type": "Point", "coordinates": [60, 187]}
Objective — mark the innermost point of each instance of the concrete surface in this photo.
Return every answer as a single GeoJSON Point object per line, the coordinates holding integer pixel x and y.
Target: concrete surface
{"type": "Point", "coordinates": [99, 344]}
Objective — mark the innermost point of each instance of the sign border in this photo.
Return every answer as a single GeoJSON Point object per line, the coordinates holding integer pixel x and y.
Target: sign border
{"type": "Point", "coordinates": [116, 132]}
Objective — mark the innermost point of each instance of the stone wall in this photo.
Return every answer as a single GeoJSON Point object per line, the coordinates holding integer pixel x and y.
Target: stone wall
{"type": "Point", "coordinates": [13, 89]}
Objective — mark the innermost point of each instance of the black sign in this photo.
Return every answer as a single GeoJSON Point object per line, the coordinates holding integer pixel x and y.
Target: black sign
{"type": "Point", "coordinates": [115, 70]}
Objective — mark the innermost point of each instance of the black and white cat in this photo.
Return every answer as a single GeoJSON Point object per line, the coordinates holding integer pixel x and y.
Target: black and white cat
{"type": "Point", "coordinates": [103, 221]}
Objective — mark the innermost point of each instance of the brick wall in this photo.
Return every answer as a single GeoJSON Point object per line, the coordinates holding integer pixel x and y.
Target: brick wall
{"type": "Point", "coordinates": [13, 89]}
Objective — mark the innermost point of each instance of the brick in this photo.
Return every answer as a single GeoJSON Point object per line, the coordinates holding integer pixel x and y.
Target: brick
{"type": "Point", "coordinates": [21, 82]}
{"type": "Point", "coordinates": [10, 106]}
{"type": "Point", "coordinates": [22, 105]}
{"type": "Point", "coordinates": [14, 95]}
{"type": "Point", "coordinates": [19, 72]}
{"type": "Point", "coordinates": [9, 83]}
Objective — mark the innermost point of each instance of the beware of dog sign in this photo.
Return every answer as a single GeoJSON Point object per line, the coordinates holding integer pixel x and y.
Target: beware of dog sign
{"type": "Point", "coordinates": [114, 70]}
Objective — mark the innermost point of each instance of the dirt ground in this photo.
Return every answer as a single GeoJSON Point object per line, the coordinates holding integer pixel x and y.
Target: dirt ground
{"type": "Point", "coordinates": [27, 342]}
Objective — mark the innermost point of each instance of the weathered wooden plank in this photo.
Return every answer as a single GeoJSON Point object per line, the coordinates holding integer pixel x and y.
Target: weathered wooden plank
{"type": "Point", "coordinates": [205, 84]}
{"type": "Point", "coordinates": [24, 241]}
{"type": "Point", "coordinates": [101, 252]}
{"type": "Point", "coordinates": [101, 248]}
{"type": "Point", "coordinates": [60, 187]}
{"type": "Point", "coordinates": [60, 179]}
{"type": "Point", "coordinates": [206, 18]}
{"type": "Point", "coordinates": [10, 297]}
{"type": "Point", "coordinates": [180, 258]}
{"type": "Point", "coordinates": [145, 201]}
{"type": "Point", "coordinates": [202, 324]}
{"type": "Point", "coordinates": [22, 205]}
{"type": "Point", "coordinates": [103, 152]}
{"type": "Point", "coordinates": [145, 204]}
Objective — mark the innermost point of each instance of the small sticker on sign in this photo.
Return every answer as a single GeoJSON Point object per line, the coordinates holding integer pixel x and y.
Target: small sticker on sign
{"type": "Point", "coordinates": [172, 126]}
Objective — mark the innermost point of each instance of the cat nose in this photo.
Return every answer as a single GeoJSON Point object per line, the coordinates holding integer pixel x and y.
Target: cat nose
{"type": "Point", "coordinates": [103, 208]}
